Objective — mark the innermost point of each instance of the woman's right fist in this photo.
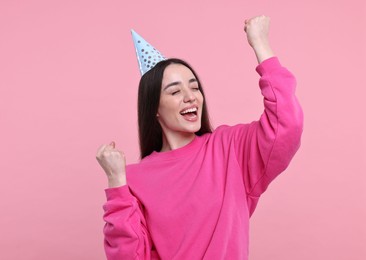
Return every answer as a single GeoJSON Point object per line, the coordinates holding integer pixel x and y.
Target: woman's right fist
{"type": "Point", "coordinates": [113, 163]}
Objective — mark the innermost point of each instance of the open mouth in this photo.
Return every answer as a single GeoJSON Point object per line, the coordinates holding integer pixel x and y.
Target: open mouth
{"type": "Point", "coordinates": [189, 112]}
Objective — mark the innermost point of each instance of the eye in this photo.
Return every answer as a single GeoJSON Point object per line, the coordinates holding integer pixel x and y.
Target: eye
{"type": "Point", "coordinates": [195, 88]}
{"type": "Point", "coordinates": [175, 92]}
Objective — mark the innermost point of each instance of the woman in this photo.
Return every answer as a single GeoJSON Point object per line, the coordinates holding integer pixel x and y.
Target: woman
{"type": "Point", "coordinates": [192, 193]}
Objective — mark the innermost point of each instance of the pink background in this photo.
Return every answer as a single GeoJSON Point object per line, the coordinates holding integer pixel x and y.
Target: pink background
{"type": "Point", "coordinates": [68, 83]}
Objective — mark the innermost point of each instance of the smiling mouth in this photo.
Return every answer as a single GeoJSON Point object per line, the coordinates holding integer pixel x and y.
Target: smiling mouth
{"type": "Point", "coordinates": [190, 112]}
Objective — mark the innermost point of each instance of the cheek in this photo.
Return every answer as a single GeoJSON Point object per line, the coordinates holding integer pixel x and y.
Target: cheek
{"type": "Point", "coordinates": [166, 108]}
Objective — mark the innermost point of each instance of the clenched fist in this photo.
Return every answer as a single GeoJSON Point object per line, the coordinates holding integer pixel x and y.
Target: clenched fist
{"type": "Point", "coordinates": [113, 163]}
{"type": "Point", "coordinates": [257, 30]}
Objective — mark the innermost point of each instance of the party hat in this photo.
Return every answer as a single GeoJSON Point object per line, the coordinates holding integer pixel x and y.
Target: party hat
{"type": "Point", "coordinates": [147, 55]}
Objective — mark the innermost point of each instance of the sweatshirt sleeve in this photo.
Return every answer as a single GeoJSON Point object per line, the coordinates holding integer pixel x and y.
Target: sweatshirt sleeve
{"type": "Point", "coordinates": [265, 148]}
{"type": "Point", "coordinates": [125, 232]}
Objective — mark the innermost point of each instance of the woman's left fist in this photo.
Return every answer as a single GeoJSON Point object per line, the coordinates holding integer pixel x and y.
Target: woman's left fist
{"type": "Point", "coordinates": [257, 29]}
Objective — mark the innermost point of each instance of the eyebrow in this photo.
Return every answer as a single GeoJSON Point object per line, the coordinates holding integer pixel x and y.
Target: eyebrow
{"type": "Point", "coordinates": [178, 82]}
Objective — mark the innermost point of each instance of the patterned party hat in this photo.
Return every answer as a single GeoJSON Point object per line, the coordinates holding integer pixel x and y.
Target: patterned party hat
{"type": "Point", "coordinates": [147, 55]}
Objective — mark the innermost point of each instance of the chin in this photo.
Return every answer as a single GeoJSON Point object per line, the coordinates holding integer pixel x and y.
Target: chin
{"type": "Point", "coordinates": [194, 129]}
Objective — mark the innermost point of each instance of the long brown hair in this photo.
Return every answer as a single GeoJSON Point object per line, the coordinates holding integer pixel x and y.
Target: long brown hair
{"type": "Point", "coordinates": [150, 131]}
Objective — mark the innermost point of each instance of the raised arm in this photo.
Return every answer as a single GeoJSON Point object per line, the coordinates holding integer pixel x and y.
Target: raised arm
{"type": "Point", "coordinates": [125, 233]}
{"type": "Point", "coordinates": [265, 147]}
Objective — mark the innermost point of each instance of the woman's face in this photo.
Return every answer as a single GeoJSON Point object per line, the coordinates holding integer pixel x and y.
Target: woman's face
{"type": "Point", "coordinates": [180, 107]}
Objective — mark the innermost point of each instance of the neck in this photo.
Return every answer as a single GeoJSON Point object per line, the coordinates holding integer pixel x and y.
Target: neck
{"type": "Point", "coordinates": [176, 141]}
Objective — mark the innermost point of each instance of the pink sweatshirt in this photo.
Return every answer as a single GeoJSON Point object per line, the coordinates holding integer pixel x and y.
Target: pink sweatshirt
{"type": "Point", "coordinates": [195, 202]}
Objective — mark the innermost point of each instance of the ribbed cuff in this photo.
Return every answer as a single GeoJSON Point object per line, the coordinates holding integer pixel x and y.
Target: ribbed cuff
{"type": "Point", "coordinates": [122, 192]}
{"type": "Point", "coordinates": [268, 65]}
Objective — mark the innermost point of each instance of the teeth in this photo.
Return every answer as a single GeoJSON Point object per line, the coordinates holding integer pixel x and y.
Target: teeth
{"type": "Point", "coordinates": [190, 110]}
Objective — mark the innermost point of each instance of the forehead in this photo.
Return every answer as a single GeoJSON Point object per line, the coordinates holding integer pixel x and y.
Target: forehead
{"type": "Point", "coordinates": [176, 72]}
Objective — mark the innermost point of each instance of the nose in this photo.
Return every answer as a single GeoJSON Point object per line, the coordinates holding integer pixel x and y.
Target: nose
{"type": "Point", "coordinates": [188, 96]}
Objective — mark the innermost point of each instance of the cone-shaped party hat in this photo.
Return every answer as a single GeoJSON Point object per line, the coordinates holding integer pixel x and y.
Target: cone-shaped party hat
{"type": "Point", "coordinates": [147, 55]}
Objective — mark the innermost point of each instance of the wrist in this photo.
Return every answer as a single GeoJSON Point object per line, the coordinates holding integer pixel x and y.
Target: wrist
{"type": "Point", "coordinates": [114, 182]}
{"type": "Point", "coordinates": [263, 52]}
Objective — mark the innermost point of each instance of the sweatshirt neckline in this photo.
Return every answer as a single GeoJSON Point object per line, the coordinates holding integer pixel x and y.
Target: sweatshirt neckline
{"type": "Point", "coordinates": [177, 153]}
